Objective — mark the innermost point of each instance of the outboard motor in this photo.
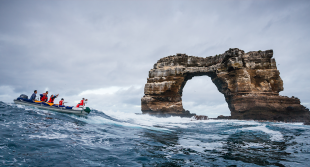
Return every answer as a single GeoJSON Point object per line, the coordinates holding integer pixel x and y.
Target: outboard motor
{"type": "Point", "coordinates": [87, 109]}
{"type": "Point", "coordinates": [23, 96]}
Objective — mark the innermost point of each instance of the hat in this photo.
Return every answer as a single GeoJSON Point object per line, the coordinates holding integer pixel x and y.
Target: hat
{"type": "Point", "coordinates": [62, 98]}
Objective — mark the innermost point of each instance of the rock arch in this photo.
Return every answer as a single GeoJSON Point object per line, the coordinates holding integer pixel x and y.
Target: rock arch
{"type": "Point", "coordinates": [249, 81]}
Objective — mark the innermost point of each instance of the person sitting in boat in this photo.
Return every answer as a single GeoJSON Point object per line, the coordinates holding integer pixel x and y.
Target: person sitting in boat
{"type": "Point", "coordinates": [61, 102]}
{"type": "Point", "coordinates": [82, 103]}
{"type": "Point", "coordinates": [44, 97]}
{"type": "Point", "coordinates": [52, 98]}
{"type": "Point", "coordinates": [33, 96]}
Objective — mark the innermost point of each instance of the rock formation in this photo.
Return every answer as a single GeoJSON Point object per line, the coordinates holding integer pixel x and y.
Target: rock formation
{"type": "Point", "coordinates": [249, 81]}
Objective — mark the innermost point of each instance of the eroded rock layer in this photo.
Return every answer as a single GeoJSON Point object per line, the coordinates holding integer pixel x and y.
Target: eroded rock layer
{"type": "Point", "coordinates": [249, 81]}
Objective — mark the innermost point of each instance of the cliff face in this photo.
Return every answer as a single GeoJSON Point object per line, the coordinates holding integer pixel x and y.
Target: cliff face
{"type": "Point", "coordinates": [249, 81]}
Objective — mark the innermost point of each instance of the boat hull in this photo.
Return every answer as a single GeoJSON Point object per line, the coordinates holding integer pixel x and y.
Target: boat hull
{"type": "Point", "coordinates": [78, 111]}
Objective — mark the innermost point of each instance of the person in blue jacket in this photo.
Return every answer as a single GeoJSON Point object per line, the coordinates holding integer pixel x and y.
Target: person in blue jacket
{"type": "Point", "coordinates": [33, 96]}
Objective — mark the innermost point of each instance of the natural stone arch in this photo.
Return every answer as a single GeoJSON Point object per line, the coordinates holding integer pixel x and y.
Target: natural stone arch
{"type": "Point", "coordinates": [249, 81]}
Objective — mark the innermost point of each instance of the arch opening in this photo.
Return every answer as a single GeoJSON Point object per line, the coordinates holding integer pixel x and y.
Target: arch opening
{"type": "Point", "coordinates": [201, 96]}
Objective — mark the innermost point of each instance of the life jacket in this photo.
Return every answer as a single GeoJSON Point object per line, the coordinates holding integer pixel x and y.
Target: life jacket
{"type": "Point", "coordinates": [43, 97]}
{"type": "Point", "coordinates": [61, 102]}
{"type": "Point", "coordinates": [80, 104]}
{"type": "Point", "coordinates": [51, 99]}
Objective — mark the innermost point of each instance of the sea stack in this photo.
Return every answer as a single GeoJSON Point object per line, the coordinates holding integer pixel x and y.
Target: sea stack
{"type": "Point", "coordinates": [249, 81]}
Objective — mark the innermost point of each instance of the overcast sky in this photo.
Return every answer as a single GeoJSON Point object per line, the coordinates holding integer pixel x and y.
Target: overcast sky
{"type": "Point", "coordinates": [103, 50]}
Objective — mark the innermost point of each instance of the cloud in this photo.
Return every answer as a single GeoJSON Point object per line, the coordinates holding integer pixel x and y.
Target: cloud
{"type": "Point", "coordinates": [86, 46]}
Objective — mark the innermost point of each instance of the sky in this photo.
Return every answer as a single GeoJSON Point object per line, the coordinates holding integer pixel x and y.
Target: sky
{"type": "Point", "coordinates": [103, 50]}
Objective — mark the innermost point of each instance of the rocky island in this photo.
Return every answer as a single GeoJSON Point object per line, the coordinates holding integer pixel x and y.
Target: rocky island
{"type": "Point", "coordinates": [249, 81]}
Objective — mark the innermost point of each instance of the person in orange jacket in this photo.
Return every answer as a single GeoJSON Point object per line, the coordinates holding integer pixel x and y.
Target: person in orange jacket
{"type": "Point", "coordinates": [52, 98]}
{"type": "Point", "coordinates": [61, 102]}
{"type": "Point", "coordinates": [82, 103]}
{"type": "Point", "coordinates": [44, 97]}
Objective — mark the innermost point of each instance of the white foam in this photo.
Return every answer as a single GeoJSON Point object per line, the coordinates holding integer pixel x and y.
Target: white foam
{"type": "Point", "coordinates": [167, 122]}
{"type": "Point", "coordinates": [275, 135]}
{"type": "Point", "coordinates": [242, 122]}
{"type": "Point", "coordinates": [147, 120]}
{"type": "Point", "coordinates": [49, 136]}
{"type": "Point", "coordinates": [199, 146]}
{"type": "Point", "coordinates": [253, 145]}
{"type": "Point", "coordinates": [101, 120]}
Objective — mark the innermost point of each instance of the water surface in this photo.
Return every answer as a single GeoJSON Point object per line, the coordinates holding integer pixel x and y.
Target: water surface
{"type": "Point", "coordinates": [34, 137]}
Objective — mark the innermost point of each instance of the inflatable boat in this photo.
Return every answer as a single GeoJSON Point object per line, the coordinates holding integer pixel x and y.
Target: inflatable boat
{"type": "Point", "coordinates": [23, 99]}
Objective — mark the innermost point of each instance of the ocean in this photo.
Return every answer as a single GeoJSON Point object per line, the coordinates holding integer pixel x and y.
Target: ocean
{"type": "Point", "coordinates": [35, 137]}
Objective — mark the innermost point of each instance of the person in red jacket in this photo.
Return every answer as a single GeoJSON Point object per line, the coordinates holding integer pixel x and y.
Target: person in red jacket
{"type": "Point", "coordinates": [52, 98]}
{"type": "Point", "coordinates": [61, 102]}
{"type": "Point", "coordinates": [82, 103]}
{"type": "Point", "coordinates": [44, 97]}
